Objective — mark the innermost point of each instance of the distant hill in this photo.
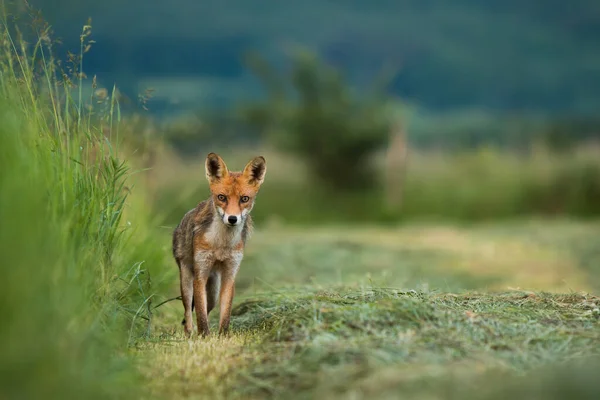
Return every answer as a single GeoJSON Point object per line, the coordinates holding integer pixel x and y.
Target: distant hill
{"type": "Point", "coordinates": [504, 55]}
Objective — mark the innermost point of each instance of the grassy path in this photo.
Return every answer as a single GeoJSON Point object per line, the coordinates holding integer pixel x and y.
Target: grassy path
{"type": "Point", "coordinates": [429, 312]}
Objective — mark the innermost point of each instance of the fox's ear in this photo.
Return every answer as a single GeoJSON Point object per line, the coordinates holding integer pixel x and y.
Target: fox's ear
{"type": "Point", "coordinates": [215, 168]}
{"type": "Point", "coordinates": [255, 171]}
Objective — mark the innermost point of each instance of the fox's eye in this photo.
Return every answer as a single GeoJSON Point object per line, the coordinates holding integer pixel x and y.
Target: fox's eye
{"type": "Point", "coordinates": [221, 197]}
{"type": "Point", "coordinates": [245, 199]}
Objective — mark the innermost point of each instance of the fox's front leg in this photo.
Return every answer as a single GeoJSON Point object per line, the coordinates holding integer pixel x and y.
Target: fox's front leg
{"type": "Point", "coordinates": [187, 292]}
{"type": "Point", "coordinates": [227, 292]}
{"type": "Point", "coordinates": [202, 269]}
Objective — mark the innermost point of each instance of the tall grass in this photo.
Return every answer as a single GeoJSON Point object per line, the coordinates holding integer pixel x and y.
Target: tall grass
{"type": "Point", "coordinates": [77, 278]}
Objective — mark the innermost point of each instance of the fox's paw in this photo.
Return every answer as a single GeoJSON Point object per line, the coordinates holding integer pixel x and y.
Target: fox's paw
{"type": "Point", "coordinates": [188, 328]}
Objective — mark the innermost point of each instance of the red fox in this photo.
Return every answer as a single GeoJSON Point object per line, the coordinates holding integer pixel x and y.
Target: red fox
{"type": "Point", "coordinates": [208, 243]}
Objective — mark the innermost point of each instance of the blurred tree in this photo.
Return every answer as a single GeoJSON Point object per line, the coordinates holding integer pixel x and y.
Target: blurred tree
{"type": "Point", "coordinates": [321, 121]}
{"type": "Point", "coordinates": [563, 134]}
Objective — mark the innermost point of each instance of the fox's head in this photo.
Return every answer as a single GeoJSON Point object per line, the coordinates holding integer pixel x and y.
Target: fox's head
{"type": "Point", "coordinates": [233, 193]}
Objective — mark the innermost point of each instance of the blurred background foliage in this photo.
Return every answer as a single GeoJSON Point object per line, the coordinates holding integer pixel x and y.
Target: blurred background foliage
{"type": "Point", "coordinates": [321, 121]}
{"type": "Point", "coordinates": [416, 109]}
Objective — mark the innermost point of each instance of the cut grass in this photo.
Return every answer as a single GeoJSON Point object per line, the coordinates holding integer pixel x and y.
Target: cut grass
{"type": "Point", "coordinates": [556, 256]}
{"type": "Point", "coordinates": [313, 321]}
{"type": "Point", "coordinates": [178, 369]}
{"type": "Point", "coordinates": [343, 341]}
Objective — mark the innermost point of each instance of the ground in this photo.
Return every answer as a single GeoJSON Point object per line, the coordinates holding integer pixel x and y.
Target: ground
{"type": "Point", "coordinates": [420, 310]}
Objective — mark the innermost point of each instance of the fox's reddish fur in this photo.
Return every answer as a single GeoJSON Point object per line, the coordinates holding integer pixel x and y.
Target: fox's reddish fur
{"type": "Point", "coordinates": [209, 248]}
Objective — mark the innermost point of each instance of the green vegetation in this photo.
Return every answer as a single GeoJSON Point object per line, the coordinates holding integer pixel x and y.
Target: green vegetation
{"type": "Point", "coordinates": [321, 121]}
{"type": "Point", "coordinates": [321, 314]}
{"type": "Point", "coordinates": [383, 342]}
{"type": "Point", "coordinates": [349, 310]}
{"type": "Point", "coordinates": [79, 268]}
{"type": "Point", "coordinates": [464, 186]}
{"type": "Point", "coordinates": [340, 342]}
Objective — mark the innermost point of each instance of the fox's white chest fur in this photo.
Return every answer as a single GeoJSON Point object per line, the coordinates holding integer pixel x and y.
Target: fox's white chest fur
{"type": "Point", "coordinates": [223, 240]}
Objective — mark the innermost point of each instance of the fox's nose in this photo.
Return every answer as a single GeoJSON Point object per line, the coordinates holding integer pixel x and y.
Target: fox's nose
{"type": "Point", "coordinates": [232, 219]}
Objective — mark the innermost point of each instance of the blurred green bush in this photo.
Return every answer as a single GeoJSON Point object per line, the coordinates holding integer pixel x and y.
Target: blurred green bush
{"type": "Point", "coordinates": [314, 114]}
